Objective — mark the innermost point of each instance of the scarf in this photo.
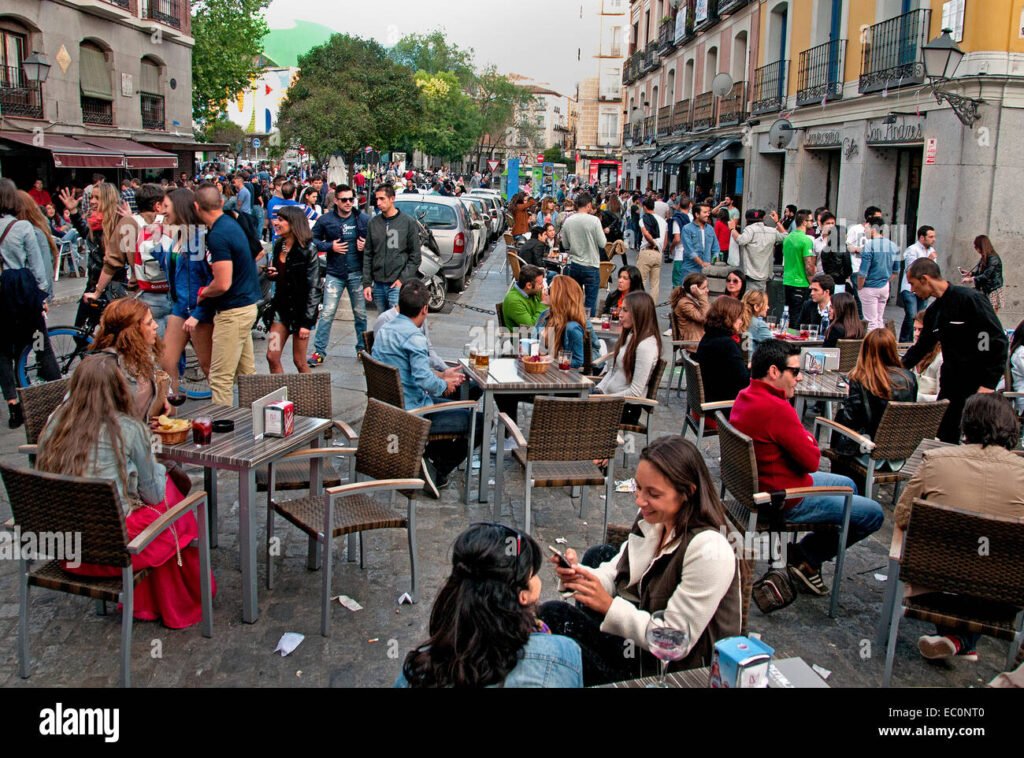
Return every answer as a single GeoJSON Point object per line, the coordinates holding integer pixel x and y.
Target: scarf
{"type": "Point", "coordinates": [95, 221]}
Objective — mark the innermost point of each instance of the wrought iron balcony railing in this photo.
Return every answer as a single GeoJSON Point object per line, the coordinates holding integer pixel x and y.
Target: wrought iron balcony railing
{"type": "Point", "coordinates": [18, 96]}
{"type": "Point", "coordinates": [891, 52]}
{"type": "Point", "coordinates": [153, 112]}
{"type": "Point", "coordinates": [732, 109]}
{"type": "Point", "coordinates": [703, 111]}
{"type": "Point", "coordinates": [820, 74]}
{"type": "Point", "coordinates": [681, 117]}
{"type": "Point", "coordinates": [770, 85]}
{"type": "Point", "coordinates": [97, 111]}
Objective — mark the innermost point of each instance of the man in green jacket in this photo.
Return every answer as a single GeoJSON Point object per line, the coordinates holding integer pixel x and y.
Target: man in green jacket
{"type": "Point", "coordinates": [526, 300]}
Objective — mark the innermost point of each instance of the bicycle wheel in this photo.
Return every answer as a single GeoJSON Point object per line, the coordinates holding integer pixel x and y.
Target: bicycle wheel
{"type": "Point", "coordinates": [69, 345]}
{"type": "Point", "coordinates": [193, 382]}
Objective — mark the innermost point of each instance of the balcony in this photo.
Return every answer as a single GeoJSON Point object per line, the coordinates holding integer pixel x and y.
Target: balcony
{"type": "Point", "coordinates": [770, 85]}
{"type": "Point", "coordinates": [165, 11]}
{"type": "Point", "coordinates": [650, 124]}
{"type": "Point", "coordinates": [651, 59]}
{"type": "Point", "coordinates": [667, 36]}
{"type": "Point", "coordinates": [665, 121]}
{"type": "Point", "coordinates": [732, 109]}
{"type": "Point", "coordinates": [726, 7]}
{"type": "Point", "coordinates": [892, 52]}
{"type": "Point", "coordinates": [703, 112]}
{"type": "Point", "coordinates": [820, 75]}
{"type": "Point", "coordinates": [18, 96]}
{"type": "Point", "coordinates": [126, 4]}
{"type": "Point", "coordinates": [153, 112]}
{"type": "Point", "coordinates": [681, 117]}
{"type": "Point", "coordinates": [97, 111]}
{"type": "Point", "coordinates": [711, 19]}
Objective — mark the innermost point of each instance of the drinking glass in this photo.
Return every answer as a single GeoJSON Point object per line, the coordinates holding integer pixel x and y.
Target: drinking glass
{"type": "Point", "coordinates": [564, 360]}
{"type": "Point", "coordinates": [202, 431]}
{"type": "Point", "coordinates": [805, 331]}
{"type": "Point", "coordinates": [813, 329]}
{"type": "Point", "coordinates": [773, 324]}
{"type": "Point", "coordinates": [666, 644]}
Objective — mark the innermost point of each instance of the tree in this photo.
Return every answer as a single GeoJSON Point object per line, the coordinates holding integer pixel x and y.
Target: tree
{"type": "Point", "coordinates": [226, 133]}
{"type": "Point", "coordinates": [451, 121]}
{"type": "Point", "coordinates": [433, 54]}
{"type": "Point", "coordinates": [228, 38]}
{"type": "Point", "coordinates": [502, 105]}
{"type": "Point", "coordinates": [349, 95]}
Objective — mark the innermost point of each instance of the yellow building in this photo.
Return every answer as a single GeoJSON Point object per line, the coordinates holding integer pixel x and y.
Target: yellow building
{"type": "Point", "coordinates": [848, 77]}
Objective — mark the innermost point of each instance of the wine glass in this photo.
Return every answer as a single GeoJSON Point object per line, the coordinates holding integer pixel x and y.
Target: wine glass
{"type": "Point", "coordinates": [666, 644]}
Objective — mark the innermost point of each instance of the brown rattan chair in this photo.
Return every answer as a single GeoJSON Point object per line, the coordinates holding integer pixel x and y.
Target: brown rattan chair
{"type": "Point", "coordinates": [747, 508]}
{"type": "Point", "coordinates": [90, 509]}
{"type": "Point", "coordinates": [389, 453]}
{"type": "Point", "coordinates": [37, 403]}
{"type": "Point", "coordinates": [969, 590]}
{"type": "Point", "coordinates": [900, 431]}
{"type": "Point", "coordinates": [695, 403]}
{"type": "Point", "coordinates": [566, 436]}
{"type": "Point", "coordinates": [368, 339]}
{"type": "Point", "coordinates": [849, 351]}
{"type": "Point", "coordinates": [499, 313]}
{"type": "Point", "coordinates": [647, 405]}
{"type": "Point", "coordinates": [515, 263]}
{"type": "Point", "coordinates": [384, 383]}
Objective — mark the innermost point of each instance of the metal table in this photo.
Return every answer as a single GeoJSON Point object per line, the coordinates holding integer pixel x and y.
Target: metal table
{"type": "Point", "coordinates": [507, 377]}
{"type": "Point", "coordinates": [821, 387]}
{"type": "Point", "coordinates": [788, 673]}
{"type": "Point", "coordinates": [612, 334]}
{"type": "Point", "coordinates": [238, 451]}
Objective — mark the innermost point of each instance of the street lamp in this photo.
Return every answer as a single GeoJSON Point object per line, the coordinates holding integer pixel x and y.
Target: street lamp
{"type": "Point", "coordinates": [36, 68]}
{"type": "Point", "coordinates": [941, 59]}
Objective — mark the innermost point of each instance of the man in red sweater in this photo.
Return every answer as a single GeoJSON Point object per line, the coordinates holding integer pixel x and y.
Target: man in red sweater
{"type": "Point", "coordinates": [788, 457]}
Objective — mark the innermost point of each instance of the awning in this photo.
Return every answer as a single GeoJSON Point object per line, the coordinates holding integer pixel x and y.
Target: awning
{"type": "Point", "coordinates": [716, 147]}
{"type": "Point", "coordinates": [688, 151]}
{"type": "Point", "coordinates": [137, 156]}
{"type": "Point", "coordinates": [659, 157]}
{"type": "Point", "coordinates": [68, 152]}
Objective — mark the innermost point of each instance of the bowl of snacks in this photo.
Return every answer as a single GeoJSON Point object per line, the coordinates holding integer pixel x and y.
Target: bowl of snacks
{"type": "Point", "coordinates": [172, 431]}
{"type": "Point", "coordinates": [536, 364]}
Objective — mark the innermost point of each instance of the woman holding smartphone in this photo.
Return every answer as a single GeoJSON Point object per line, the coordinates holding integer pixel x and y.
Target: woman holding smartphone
{"type": "Point", "coordinates": [295, 270]}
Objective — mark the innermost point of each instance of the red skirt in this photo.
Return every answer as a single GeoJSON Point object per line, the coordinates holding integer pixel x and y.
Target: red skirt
{"type": "Point", "coordinates": [170, 593]}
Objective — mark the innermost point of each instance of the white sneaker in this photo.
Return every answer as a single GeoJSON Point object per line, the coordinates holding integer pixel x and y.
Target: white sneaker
{"type": "Point", "coordinates": [510, 445]}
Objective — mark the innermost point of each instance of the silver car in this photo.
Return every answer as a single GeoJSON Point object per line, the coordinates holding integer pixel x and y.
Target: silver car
{"type": "Point", "coordinates": [493, 198]}
{"type": "Point", "coordinates": [449, 220]}
{"type": "Point", "coordinates": [480, 223]}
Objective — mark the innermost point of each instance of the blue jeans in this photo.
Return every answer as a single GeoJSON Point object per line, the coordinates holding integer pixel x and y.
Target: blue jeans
{"type": "Point", "coordinates": [865, 519]}
{"type": "Point", "coordinates": [589, 278]}
{"type": "Point", "coordinates": [447, 455]}
{"type": "Point", "coordinates": [385, 296]}
{"type": "Point", "coordinates": [160, 305]}
{"type": "Point", "coordinates": [333, 287]}
{"type": "Point", "coordinates": [912, 304]}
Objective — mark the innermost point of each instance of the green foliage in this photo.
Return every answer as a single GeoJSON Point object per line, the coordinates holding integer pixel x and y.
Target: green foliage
{"type": "Point", "coordinates": [225, 132]}
{"type": "Point", "coordinates": [433, 54]}
{"type": "Point", "coordinates": [228, 37]}
{"type": "Point", "coordinates": [451, 120]}
{"type": "Point", "coordinates": [349, 94]}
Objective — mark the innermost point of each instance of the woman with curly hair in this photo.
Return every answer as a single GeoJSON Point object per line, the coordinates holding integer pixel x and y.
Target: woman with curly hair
{"type": "Point", "coordinates": [484, 630]}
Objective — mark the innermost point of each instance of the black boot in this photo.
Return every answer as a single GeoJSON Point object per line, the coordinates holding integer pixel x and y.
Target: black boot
{"type": "Point", "coordinates": [17, 418]}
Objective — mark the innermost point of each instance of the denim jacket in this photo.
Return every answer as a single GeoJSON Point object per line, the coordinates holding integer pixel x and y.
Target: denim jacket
{"type": "Point", "coordinates": [548, 661]}
{"type": "Point", "coordinates": [187, 271]}
{"type": "Point", "coordinates": [697, 242]}
{"type": "Point", "coordinates": [403, 345]}
{"type": "Point", "coordinates": [573, 341]}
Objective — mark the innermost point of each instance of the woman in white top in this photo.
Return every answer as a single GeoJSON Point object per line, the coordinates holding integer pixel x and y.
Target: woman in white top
{"type": "Point", "coordinates": [636, 354]}
{"type": "Point", "coordinates": [927, 371]}
{"type": "Point", "coordinates": [1017, 364]}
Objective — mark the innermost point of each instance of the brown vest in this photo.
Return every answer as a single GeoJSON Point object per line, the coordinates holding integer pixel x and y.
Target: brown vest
{"type": "Point", "coordinates": [658, 585]}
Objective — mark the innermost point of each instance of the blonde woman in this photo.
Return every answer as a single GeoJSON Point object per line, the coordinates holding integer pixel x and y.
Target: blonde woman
{"type": "Point", "coordinates": [755, 308]}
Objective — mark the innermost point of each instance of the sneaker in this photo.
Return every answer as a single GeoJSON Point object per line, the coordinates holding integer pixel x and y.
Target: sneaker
{"type": "Point", "coordinates": [809, 578]}
{"type": "Point", "coordinates": [936, 647]}
{"type": "Point", "coordinates": [16, 417]}
{"type": "Point", "coordinates": [316, 359]}
{"type": "Point", "coordinates": [510, 445]}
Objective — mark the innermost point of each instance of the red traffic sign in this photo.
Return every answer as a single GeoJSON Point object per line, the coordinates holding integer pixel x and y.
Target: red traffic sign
{"type": "Point", "coordinates": [493, 165]}
{"type": "Point", "coordinates": [540, 158]}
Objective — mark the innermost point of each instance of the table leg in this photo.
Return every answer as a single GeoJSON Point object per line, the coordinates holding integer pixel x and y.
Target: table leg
{"type": "Point", "coordinates": [316, 487]}
{"type": "Point", "coordinates": [246, 542]}
{"type": "Point", "coordinates": [485, 455]}
{"type": "Point", "coordinates": [210, 485]}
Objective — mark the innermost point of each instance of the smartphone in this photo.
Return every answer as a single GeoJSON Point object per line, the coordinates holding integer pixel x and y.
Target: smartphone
{"type": "Point", "coordinates": [963, 272]}
{"type": "Point", "coordinates": [562, 562]}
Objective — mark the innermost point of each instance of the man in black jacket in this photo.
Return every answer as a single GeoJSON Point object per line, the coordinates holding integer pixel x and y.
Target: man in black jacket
{"type": "Point", "coordinates": [392, 254]}
{"type": "Point", "coordinates": [815, 310]}
{"type": "Point", "coordinates": [974, 343]}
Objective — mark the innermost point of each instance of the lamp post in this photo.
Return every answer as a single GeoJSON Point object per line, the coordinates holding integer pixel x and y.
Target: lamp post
{"type": "Point", "coordinates": [36, 68]}
{"type": "Point", "coordinates": [942, 57]}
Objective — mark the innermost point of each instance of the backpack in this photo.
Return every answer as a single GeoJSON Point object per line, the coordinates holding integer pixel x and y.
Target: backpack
{"type": "Point", "coordinates": [21, 300]}
{"type": "Point", "coordinates": [149, 274]}
{"type": "Point", "coordinates": [773, 591]}
{"type": "Point", "coordinates": [252, 234]}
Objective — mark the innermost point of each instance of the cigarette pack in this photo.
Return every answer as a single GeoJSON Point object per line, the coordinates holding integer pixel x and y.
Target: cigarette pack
{"type": "Point", "coordinates": [279, 419]}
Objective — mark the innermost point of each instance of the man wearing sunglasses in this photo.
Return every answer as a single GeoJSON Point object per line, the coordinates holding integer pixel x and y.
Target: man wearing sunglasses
{"type": "Point", "coordinates": [788, 457]}
{"type": "Point", "coordinates": [341, 236]}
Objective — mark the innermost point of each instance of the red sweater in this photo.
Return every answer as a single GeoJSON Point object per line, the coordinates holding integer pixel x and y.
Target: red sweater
{"type": "Point", "coordinates": [787, 454]}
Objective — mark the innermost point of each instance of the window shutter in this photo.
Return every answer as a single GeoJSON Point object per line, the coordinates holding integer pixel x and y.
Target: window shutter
{"type": "Point", "coordinates": [150, 81]}
{"type": "Point", "coordinates": [95, 78]}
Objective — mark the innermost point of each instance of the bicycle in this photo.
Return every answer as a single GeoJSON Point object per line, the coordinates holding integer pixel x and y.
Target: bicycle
{"type": "Point", "coordinates": [69, 344]}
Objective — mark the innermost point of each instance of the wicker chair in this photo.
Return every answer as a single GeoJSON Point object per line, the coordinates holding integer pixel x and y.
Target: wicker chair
{"type": "Point", "coordinates": [515, 264]}
{"type": "Point", "coordinates": [739, 478]}
{"type": "Point", "coordinates": [555, 458]}
{"type": "Point", "coordinates": [647, 405]}
{"type": "Point", "coordinates": [63, 505]}
{"type": "Point", "coordinates": [37, 403]}
{"type": "Point", "coordinates": [695, 404]}
{"type": "Point", "coordinates": [849, 352]}
{"type": "Point", "coordinates": [901, 430]}
{"type": "Point", "coordinates": [368, 340]}
{"type": "Point", "coordinates": [384, 383]}
{"type": "Point", "coordinates": [969, 590]}
{"type": "Point", "coordinates": [389, 452]}
{"type": "Point", "coordinates": [499, 313]}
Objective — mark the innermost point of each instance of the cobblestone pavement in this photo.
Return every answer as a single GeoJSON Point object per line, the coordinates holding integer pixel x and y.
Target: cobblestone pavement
{"type": "Point", "coordinates": [72, 646]}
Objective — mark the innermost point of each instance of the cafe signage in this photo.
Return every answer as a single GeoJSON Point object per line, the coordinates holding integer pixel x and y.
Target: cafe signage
{"type": "Point", "coordinates": [823, 138]}
{"type": "Point", "coordinates": [905, 131]}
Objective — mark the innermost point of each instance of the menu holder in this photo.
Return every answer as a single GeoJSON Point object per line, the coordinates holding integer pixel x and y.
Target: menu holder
{"type": "Point", "coordinates": [258, 417]}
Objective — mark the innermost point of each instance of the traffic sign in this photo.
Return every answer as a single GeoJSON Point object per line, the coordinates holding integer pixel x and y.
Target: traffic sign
{"type": "Point", "coordinates": [493, 165]}
{"type": "Point", "coordinates": [256, 143]}
{"type": "Point", "coordinates": [540, 158]}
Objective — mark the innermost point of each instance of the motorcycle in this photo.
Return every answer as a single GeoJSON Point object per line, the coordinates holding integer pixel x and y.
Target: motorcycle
{"type": "Point", "coordinates": [430, 269]}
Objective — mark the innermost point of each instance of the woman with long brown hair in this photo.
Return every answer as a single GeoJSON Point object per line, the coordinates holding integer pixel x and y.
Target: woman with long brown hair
{"type": "Point", "coordinates": [636, 354]}
{"type": "Point", "coordinates": [295, 268]}
{"type": "Point", "coordinates": [565, 323]}
{"type": "Point", "coordinates": [878, 379]}
{"type": "Point", "coordinates": [987, 276]}
{"type": "Point", "coordinates": [690, 304]}
{"type": "Point", "coordinates": [94, 433]}
{"type": "Point", "coordinates": [29, 211]}
{"type": "Point", "coordinates": [930, 367]}
{"type": "Point", "coordinates": [723, 366]}
{"type": "Point", "coordinates": [845, 322]}
{"type": "Point", "coordinates": [690, 573]}
{"type": "Point", "coordinates": [129, 331]}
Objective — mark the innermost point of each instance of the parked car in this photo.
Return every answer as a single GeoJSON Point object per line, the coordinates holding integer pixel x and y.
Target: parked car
{"type": "Point", "coordinates": [448, 220]}
{"type": "Point", "coordinates": [494, 207]}
{"type": "Point", "coordinates": [481, 226]}
{"type": "Point", "coordinates": [484, 206]}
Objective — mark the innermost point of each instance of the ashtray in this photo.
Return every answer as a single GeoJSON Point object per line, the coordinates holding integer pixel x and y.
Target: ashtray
{"type": "Point", "coordinates": [223, 426]}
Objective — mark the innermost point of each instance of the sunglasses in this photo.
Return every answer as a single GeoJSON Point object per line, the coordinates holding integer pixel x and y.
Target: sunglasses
{"type": "Point", "coordinates": [346, 199]}
{"type": "Point", "coordinates": [794, 370]}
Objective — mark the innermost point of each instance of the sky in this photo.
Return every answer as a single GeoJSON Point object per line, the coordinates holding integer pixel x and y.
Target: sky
{"type": "Point", "coordinates": [540, 39]}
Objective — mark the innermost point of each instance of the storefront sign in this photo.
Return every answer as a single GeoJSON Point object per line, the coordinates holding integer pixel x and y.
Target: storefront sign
{"type": "Point", "coordinates": [931, 151]}
{"type": "Point", "coordinates": [906, 131]}
{"type": "Point", "coordinates": [823, 138]}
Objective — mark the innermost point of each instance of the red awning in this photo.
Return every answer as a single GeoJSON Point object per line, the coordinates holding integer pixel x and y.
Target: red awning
{"type": "Point", "coordinates": [136, 155]}
{"type": "Point", "coordinates": [68, 152]}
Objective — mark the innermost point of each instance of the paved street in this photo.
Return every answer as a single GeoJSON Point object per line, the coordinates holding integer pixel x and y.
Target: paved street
{"type": "Point", "coordinates": [73, 646]}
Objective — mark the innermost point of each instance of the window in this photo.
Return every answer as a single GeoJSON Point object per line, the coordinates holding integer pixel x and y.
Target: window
{"type": "Point", "coordinates": [96, 89]}
{"type": "Point", "coordinates": [953, 18]}
{"type": "Point", "coordinates": [432, 215]}
{"type": "Point", "coordinates": [12, 48]}
{"type": "Point", "coordinates": [608, 127]}
{"type": "Point", "coordinates": [151, 95]}
{"type": "Point", "coordinates": [18, 96]}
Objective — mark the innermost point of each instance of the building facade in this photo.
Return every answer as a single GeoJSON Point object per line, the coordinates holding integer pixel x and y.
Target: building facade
{"type": "Point", "coordinates": [118, 95]}
{"type": "Point", "coordinates": [847, 78]}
